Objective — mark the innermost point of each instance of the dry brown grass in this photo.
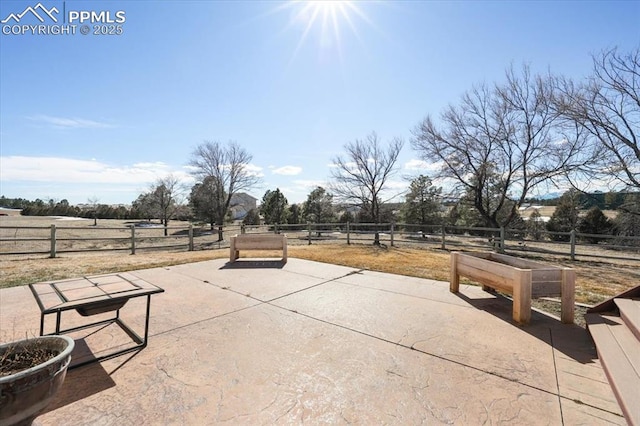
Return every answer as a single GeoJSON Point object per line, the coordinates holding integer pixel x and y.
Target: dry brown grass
{"type": "Point", "coordinates": [423, 263]}
{"type": "Point", "coordinates": [596, 281]}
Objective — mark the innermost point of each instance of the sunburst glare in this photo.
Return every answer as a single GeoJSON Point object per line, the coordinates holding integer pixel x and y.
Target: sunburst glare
{"type": "Point", "coordinates": [324, 20]}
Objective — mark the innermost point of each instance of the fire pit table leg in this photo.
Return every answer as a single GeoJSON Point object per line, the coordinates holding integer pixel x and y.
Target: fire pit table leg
{"type": "Point", "coordinates": [58, 318]}
{"type": "Point", "coordinates": [41, 323]}
{"type": "Point", "coordinates": [146, 322]}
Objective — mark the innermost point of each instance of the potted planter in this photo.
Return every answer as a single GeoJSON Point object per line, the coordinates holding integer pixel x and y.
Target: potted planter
{"type": "Point", "coordinates": [31, 372]}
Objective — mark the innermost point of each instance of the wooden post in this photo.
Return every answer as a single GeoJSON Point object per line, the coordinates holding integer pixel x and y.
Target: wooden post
{"type": "Point", "coordinates": [243, 229]}
{"type": "Point", "coordinates": [275, 228]}
{"type": "Point", "coordinates": [53, 241]}
{"type": "Point", "coordinates": [392, 229]}
{"type": "Point", "coordinates": [522, 296]}
{"type": "Point", "coordinates": [572, 237]}
{"type": "Point", "coordinates": [190, 237]}
{"type": "Point", "coordinates": [133, 239]}
{"type": "Point", "coordinates": [454, 280]}
{"type": "Point", "coordinates": [348, 234]}
{"type": "Point", "coordinates": [444, 235]}
{"type": "Point", "coordinates": [568, 295]}
{"type": "Point", "coordinates": [502, 234]}
{"type": "Point", "coordinates": [309, 236]}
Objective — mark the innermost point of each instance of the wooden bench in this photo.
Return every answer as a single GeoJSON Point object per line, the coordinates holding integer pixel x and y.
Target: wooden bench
{"type": "Point", "coordinates": [257, 242]}
{"type": "Point", "coordinates": [523, 279]}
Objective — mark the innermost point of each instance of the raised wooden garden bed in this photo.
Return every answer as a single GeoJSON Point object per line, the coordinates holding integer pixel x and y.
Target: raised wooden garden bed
{"type": "Point", "coordinates": [523, 279]}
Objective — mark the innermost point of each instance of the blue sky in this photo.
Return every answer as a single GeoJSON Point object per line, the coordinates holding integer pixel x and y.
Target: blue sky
{"type": "Point", "coordinates": [103, 116]}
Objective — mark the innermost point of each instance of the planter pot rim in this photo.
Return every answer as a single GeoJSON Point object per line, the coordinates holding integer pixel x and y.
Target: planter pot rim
{"type": "Point", "coordinates": [65, 353]}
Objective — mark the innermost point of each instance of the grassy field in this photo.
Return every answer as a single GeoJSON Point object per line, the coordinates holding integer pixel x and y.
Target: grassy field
{"type": "Point", "coordinates": [597, 279]}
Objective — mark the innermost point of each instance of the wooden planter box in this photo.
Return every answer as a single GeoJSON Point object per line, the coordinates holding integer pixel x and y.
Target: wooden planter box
{"type": "Point", "coordinates": [523, 279]}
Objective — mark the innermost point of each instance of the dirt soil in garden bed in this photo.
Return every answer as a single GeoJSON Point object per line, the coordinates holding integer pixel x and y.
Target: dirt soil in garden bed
{"type": "Point", "coordinates": [596, 280]}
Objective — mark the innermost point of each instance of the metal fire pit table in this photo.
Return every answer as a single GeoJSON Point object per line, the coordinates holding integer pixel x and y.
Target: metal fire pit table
{"type": "Point", "coordinates": [94, 295]}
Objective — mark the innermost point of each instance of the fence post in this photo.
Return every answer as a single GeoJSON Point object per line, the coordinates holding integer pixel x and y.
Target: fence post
{"type": "Point", "coordinates": [190, 237]}
{"type": "Point", "coordinates": [444, 235]}
{"type": "Point", "coordinates": [392, 229]}
{"type": "Point", "coordinates": [133, 239]}
{"type": "Point", "coordinates": [309, 236]}
{"type": "Point", "coordinates": [501, 246]}
{"type": "Point", "coordinates": [348, 234]}
{"type": "Point", "coordinates": [53, 241]}
{"type": "Point", "coordinates": [243, 229]}
{"type": "Point", "coordinates": [572, 237]}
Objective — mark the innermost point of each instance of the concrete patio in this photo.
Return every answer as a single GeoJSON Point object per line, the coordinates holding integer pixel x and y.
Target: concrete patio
{"type": "Point", "coordinates": [264, 343]}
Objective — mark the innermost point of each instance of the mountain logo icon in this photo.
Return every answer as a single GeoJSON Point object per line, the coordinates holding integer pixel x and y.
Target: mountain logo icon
{"type": "Point", "coordinates": [38, 11]}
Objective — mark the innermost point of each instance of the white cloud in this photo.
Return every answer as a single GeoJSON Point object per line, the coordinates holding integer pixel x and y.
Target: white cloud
{"type": "Point", "coordinates": [287, 170]}
{"type": "Point", "coordinates": [254, 170]}
{"type": "Point", "coordinates": [414, 164]}
{"type": "Point", "coordinates": [77, 180]}
{"type": "Point", "coordinates": [420, 165]}
{"type": "Point", "coordinates": [309, 184]}
{"type": "Point", "coordinates": [396, 185]}
{"type": "Point", "coordinates": [68, 170]}
{"type": "Point", "coordinates": [69, 123]}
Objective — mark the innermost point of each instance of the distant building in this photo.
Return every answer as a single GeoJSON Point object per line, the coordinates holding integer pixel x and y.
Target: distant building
{"type": "Point", "coordinates": [241, 204]}
{"type": "Point", "coordinates": [526, 210]}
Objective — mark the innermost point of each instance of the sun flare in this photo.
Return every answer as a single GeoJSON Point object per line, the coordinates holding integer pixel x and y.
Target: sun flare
{"type": "Point", "coordinates": [324, 21]}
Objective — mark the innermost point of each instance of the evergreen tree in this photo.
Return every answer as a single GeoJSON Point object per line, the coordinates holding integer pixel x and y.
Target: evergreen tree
{"type": "Point", "coordinates": [535, 225]}
{"type": "Point", "coordinates": [319, 207]}
{"type": "Point", "coordinates": [565, 217]}
{"type": "Point", "coordinates": [274, 207]}
{"type": "Point", "coordinates": [422, 204]}
{"type": "Point", "coordinates": [294, 214]}
{"type": "Point", "coordinates": [627, 223]}
{"type": "Point", "coordinates": [207, 200]}
{"type": "Point", "coordinates": [594, 222]}
{"type": "Point", "coordinates": [345, 217]}
{"type": "Point", "coordinates": [251, 218]}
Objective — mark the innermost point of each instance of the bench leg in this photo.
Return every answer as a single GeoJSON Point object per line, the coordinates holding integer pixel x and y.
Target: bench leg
{"type": "Point", "coordinates": [522, 298]}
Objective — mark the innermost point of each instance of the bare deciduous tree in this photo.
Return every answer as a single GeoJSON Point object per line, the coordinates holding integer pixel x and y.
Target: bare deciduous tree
{"type": "Point", "coordinates": [93, 203]}
{"type": "Point", "coordinates": [607, 106]}
{"type": "Point", "coordinates": [360, 176]}
{"type": "Point", "coordinates": [228, 165]}
{"type": "Point", "coordinates": [165, 194]}
{"type": "Point", "coordinates": [499, 143]}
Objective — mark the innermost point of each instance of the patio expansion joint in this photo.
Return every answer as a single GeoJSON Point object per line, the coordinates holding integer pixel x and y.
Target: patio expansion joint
{"type": "Point", "coordinates": [260, 302]}
{"type": "Point", "coordinates": [462, 364]}
{"type": "Point", "coordinates": [405, 346]}
{"type": "Point", "coordinates": [434, 300]}
{"type": "Point", "coordinates": [555, 373]}
{"type": "Point", "coordinates": [315, 285]}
